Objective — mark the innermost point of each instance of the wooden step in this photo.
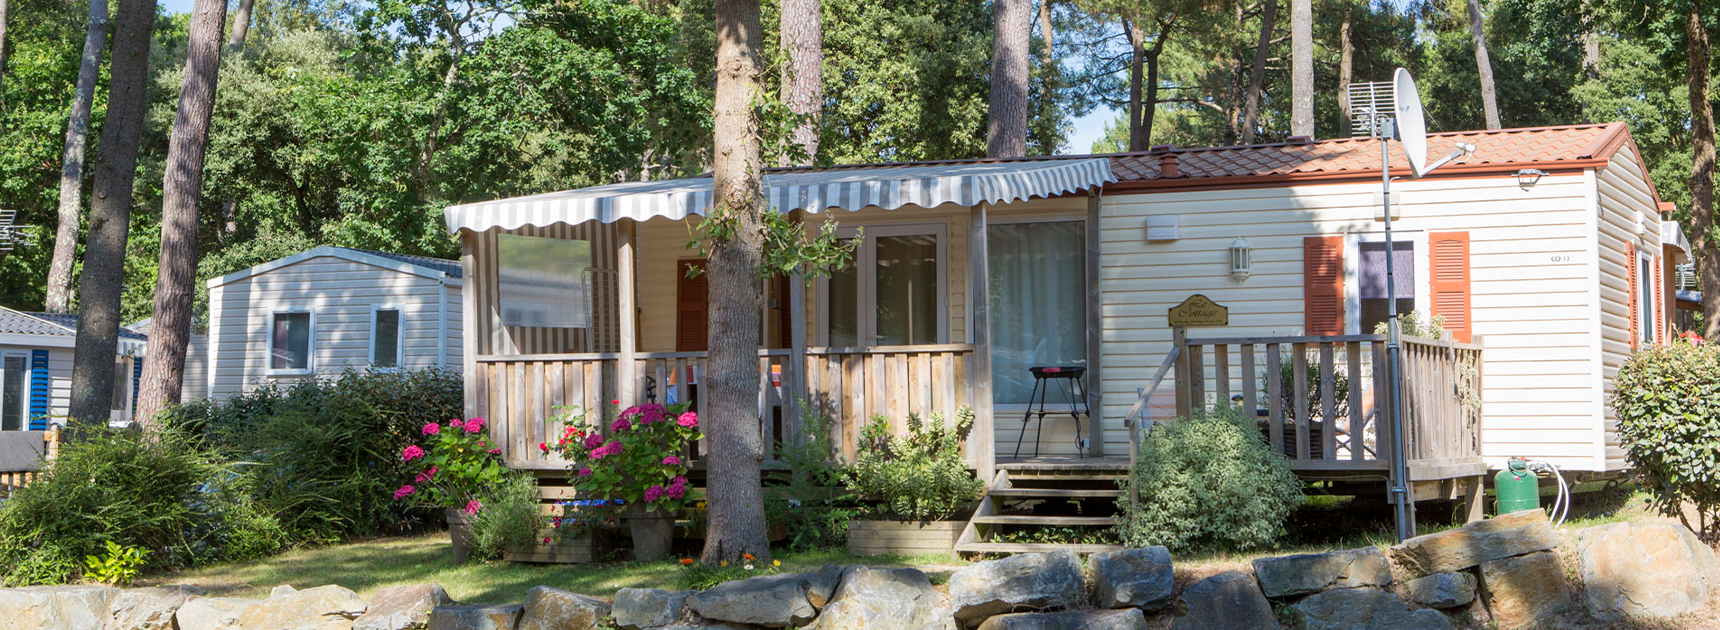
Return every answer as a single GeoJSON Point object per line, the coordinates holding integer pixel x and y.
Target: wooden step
{"type": "Point", "coordinates": [1036, 477]}
{"type": "Point", "coordinates": [995, 547]}
{"type": "Point", "coordinates": [1045, 521]}
{"type": "Point", "coordinates": [1054, 493]}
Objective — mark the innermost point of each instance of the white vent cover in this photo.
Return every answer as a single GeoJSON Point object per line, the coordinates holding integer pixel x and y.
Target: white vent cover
{"type": "Point", "coordinates": [1163, 228]}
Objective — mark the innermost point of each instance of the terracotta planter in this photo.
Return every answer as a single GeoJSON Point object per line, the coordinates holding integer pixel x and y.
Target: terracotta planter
{"type": "Point", "coordinates": [460, 534]}
{"type": "Point", "coordinates": [652, 533]}
{"type": "Point", "coordinates": [870, 538]}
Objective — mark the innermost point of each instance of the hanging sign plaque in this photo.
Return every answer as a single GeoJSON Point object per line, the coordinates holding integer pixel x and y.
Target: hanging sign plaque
{"type": "Point", "coordinates": [1197, 310]}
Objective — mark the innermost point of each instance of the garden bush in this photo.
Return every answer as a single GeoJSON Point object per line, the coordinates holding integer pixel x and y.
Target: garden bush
{"type": "Point", "coordinates": [162, 494]}
{"type": "Point", "coordinates": [811, 503]}
{"type": "Point", "coordinates": [509, 517]}
{"type": "Point", "coordinates": [920, 476]}
{"type": "Point", "coordinates": [322, 455]}
{"type": "Point", "coordinates": [1209, 482]}
{"type": "Point", "coordinates": [1667, 399]}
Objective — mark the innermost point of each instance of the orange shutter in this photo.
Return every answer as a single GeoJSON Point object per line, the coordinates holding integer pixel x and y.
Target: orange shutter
{"type": "Point", "coordinates": [1448, 281]}
{"type": "Point", "coordinates": [1659, 301]}
{"type": "Point", "coordinates": [1630, 285]}
{"type": "Point", "coordinates": [1323, 284]}
{"type": "Point", "coordinates": [690, 308]}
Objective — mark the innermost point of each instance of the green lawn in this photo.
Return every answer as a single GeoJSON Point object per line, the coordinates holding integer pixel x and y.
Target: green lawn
{"type": "Point", "coordinates": [368, 566]}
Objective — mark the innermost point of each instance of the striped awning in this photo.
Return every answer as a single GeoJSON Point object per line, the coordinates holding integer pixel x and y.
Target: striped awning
{"type": "Point", "coordinates": [887, 187]}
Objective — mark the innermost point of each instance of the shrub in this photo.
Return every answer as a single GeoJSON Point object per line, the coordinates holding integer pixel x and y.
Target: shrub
{"type": "Point", "coordinates": [161, 494]}
{"type": "Point", "coordinates": [1209, 482]}
{"type": "Point", "coordinates": [811, 503]}
{"type": "Point", "coordinates": [1667, 399]}
{"type": "Point", "coordinates": [509, 518]}
{"type": "Point", "coordinates": [321, 457]}
{"type": "Point", "coordinates": [456, 466]}
{"type": "Point", "coordinates": [639, 463]}
{"type": "Point", "coordinates": [920, 476]}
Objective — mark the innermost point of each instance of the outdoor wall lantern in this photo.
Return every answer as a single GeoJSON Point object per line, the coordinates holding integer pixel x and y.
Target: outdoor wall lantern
{"type": "Point", "coordinates": [1241, 259]}
{"type": "Point", "coordinates": [1529, 177]}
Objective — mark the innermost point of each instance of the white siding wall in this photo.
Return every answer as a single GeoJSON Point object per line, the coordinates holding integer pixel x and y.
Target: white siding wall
{"type": "Point", "coordinates": [1531, 312]}
{"type": "Point", "coordinates": [340, 293]}
{"type": "Point", "coordinates": [1627, 214]}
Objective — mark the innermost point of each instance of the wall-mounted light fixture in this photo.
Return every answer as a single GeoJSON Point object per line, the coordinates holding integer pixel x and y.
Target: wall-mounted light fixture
{"type": "Point", "coordinates": [1241, 259]}
{"type": "Point", "coordinates": [1528, 177]}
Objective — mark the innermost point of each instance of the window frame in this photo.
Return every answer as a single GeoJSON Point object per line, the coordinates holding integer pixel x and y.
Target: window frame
{"type": "Point", "coordinates": [399, 337]}
{"type": "Point", "coordinates": [310, 344]}
{"type": "Point", "coordinates": [866, 263]}
{"type": "Point", "coordinates": [1353, 273]}
{"type": "Point", "coordinates": [1645, 299]}
{"type": "Point", "coordinates": [24, 397]}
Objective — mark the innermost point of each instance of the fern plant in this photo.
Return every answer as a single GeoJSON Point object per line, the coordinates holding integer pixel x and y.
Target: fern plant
{"type": "Point", "coordinates": [919, 476]}
{"type": "Point", "coordinates": [118, 567]}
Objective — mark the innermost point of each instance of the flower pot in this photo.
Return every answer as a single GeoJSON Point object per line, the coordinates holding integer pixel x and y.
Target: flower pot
{"type": "Point", "coordinates": [652, 533]}
{"type": "Point", "coordinates": [460, 534]}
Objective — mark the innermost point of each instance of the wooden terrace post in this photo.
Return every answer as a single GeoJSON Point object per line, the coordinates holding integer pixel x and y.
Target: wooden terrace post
{"type": "Point", "coordinates": [794, 374]}
{"type": "Point", "coordinates": [984, 449]}
{"type": "Point", "coordinates": [1095, 328]}
{"type": "Point", "coordinates": [626, 367]}
{"type": "Point", "coordinates": [469, 315]}
{"type": "Point", "coordinates": [1184, 376]}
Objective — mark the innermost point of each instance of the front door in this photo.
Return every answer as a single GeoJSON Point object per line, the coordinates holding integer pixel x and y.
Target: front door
{"type": "Point", "coordinates": [895, 293]}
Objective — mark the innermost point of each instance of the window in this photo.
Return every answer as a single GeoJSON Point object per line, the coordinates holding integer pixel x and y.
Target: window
{"type": "Point", "coordinates": [894, 293]}
{"type": "Point", "coordinates": [14, 382]}
{"type": "Point", "coordinates": [543, 282]}
{"type": "Point", "coordinates": [385, 337]}
{"type": "Point", "coordinates": [119, 381]}
{"type": "Point", "coordinates": [290, 343]}
{"type": "Point", "coordinates": [1373, 301]}
{"type": "Point", "coordinates": [1645, 298]}
{"type": "Point", "coordinates": [1038, 293]}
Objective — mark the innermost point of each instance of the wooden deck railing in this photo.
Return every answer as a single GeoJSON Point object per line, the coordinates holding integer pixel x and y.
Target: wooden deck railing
{"type": "Point", "coordinates": [521, 394]}
{"type": "Point", "coordinates": [1322, 400]}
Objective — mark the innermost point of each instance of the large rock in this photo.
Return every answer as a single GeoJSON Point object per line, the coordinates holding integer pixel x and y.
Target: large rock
{"type": "Point", "coordinates": [149, 608]}
{"type": "Point", "coordinates": [1644, 570]}
{"type": "Point", "coordinates": [886, 599]}
{"type": "Point", "coordinates": [1525, 591]}
{"type": "Point", "coordinates": [1133, 578]}
{"type": "Point", "coordinates": [555, 609]}
{"type": "Point", "coordinates": [1019, 583]}
{"type": "Point", "coordinates": [1500, 537]}
{"type": "Point", "coordinates": [821, 586]}
{"type": "Point", "coordinates": [56, 607]}
{"type": "Point", "coordinates": [328, 607]}
{"type": "Point", "coordinates": [476, 617]}
{"type": "Point", "coordinates": [402, 607]}
{"type": "Point", "coordinates": [1442, 590]}
{"type": "Point", "coordinates": [1125, 619]}
{"type": "Point", "coordinates": [212, 613]}
{"type": "Point", "coordinates": [772, 601]}
{"type": "Point", "coordinates": [1306, 573]}
{"type": "Point", "coordinates": [1227, 601]}
{"type": "Point", "coordinates": [640, 608]}
{"type": "Point", "coordinates": [1363, 609]}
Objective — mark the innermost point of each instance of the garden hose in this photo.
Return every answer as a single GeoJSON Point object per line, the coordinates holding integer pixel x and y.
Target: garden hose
{"type": "Point", "coordinates": [1562, 503]}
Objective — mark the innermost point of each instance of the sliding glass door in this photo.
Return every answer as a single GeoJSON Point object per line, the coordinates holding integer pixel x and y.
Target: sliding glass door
{"type": "Point", "coordinates": [1038, 299]}
{"type": "Point", "coordinates": [894, 294]}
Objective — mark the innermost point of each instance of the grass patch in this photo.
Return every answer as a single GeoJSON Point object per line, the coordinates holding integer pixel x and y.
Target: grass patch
{"type": "Point", "coordinates": [368, 566]}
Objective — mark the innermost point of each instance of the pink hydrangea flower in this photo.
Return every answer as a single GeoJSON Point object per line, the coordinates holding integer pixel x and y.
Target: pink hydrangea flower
{"type": "Point", "coordinates": [431, 428]}
{"type": "Point", "coordinates": [585, 472]}
{"type": "Point", "coordinates": [621, 424]}
{"type": "Point", "coordinates": [474, 425]}
{"type": "Point", "coordinates": [473, 506]}
{"type": "Point", "coordinates": [591, 441]}
{"type": "Point", "coordinates": [671, 461]}
{"type": "Point", "coordinates": [689, 420]}
{"type": "Point", "coordinates": [498, 451]}
{"type": "Point", "coordinates": [412, 452]}
{"type": "Point", "coordinates": [654, 493]}
{"type": "Point", "coordinates": [676, 492]}
{"type": "Point", "coordinates": [403, 492]}
{"type": "Point", "coordinates": [651, 413]}
{"type": "Point", "coordinates": [679, 480]}
{"type": "Point", "coordinates": [456, 423]}
{"type": "Point", "coordinates": [427, 475]}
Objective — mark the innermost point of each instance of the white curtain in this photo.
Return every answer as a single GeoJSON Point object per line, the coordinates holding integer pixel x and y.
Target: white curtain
{"type": "Point", "coordinates": [1038, 304]}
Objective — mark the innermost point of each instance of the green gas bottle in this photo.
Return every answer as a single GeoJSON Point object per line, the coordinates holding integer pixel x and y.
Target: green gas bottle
{"type": "Point", "coordinates": [1517, 488]}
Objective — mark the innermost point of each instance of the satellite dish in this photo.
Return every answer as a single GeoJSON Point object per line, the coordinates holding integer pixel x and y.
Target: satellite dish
{"type": "Point", "coordinates": [1411, 128]}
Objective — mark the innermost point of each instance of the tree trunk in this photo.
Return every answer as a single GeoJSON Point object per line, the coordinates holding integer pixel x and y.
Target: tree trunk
{"type": "Point", "coordinates": [176, 281]}
{"type": "Point", "coordinates": [72, 162]}
{"type": "Point", "coordinates": [1696, 78]}
{"type": "Point", "coordinates": [1302, 68]}
{"type": "Point", "coordinates": [1346, 69]}
{"type": "Point", "coordinates": [1483, 65]}
{"type": "Point", "coordinates": [241, 24]}
{"type": "Point", "coordinates": [5, 7]}
{"type": "Point", "coordinates": [803, 71]}
{"type": "Point", "coordinates": [1137, 57]}
{"type": "Point", "coordinates": [1257, 71]}
{"type": "Point", "coordinates": [736, 523]}
{"type": "Point", "coordinates": [1050, 76]}
{"type": "Point", "coordinates": [1150, 91]}
{"type": "Point", "coordinates": [1006, 133]}
{"type": "Point", "coordinates": [110, 213]}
